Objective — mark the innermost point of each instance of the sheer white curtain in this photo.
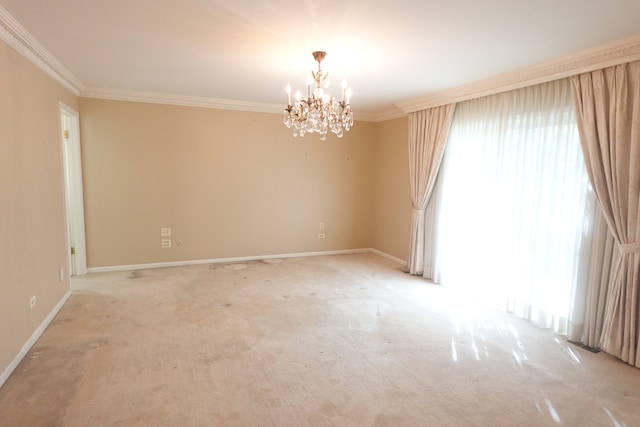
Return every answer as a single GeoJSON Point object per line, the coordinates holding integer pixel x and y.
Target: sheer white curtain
{"type": "Point", "coordinates": [516, 210]}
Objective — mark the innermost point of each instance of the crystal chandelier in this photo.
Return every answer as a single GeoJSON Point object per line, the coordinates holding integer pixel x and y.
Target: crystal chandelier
{"type": "Point", "coordinates": [319, 112]}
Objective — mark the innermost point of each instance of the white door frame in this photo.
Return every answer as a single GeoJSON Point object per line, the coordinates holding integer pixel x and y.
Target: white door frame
{"type": "Point", "coordinates": [74, 200]}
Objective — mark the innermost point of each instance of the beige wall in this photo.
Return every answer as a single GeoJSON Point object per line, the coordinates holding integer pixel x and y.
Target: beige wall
{"type": "Point", "coordinates": [32, 223]}
{"type": "Point", "coordinates": [228, 183]}
{"type": "Point", "coordinates": [392, 202]}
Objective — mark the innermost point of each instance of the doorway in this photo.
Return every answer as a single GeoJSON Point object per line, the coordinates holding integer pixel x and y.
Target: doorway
{"type": "Point", "coordinates": [74, 201]}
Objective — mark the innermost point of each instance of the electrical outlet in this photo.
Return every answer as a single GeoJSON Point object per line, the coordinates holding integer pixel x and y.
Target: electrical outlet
{"type": "Point", "coordinates": [165, 231]}
{"type": "Point", "coordinates": [320, 235]}
{"type": "Point", "coordinates": [166, 243]}
{"type": "Point", "coordinates": [61, 274]}
{"type": "Point", "coordinates": [32, 302]}
{"type": "Point", "coordinates": [322, 226]}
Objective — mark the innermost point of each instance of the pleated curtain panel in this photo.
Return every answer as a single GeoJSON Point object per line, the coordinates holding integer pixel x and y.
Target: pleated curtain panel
{"type": "Point", "coordinates": [608, 114]}
{"type": "Point", "coordinates": [428, 130]}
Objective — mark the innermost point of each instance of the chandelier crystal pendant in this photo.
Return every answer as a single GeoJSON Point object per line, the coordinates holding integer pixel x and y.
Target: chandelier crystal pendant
{"type": "Point", "coordinates": [319, 112]}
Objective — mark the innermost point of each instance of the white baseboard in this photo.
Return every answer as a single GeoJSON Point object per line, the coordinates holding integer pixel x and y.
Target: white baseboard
{"type": "Point", "coordinates": [32, 340]}
{"type": "Point", "coordinates": [390, 257]}
{"type": "Point", "coordinates": [237, 259]}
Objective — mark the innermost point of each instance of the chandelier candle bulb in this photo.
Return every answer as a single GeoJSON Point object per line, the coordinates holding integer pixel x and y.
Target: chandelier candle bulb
{"type": "Point", "coordinates": [344, 89]}
{"type": "Point", "coordinates": [319, 112]}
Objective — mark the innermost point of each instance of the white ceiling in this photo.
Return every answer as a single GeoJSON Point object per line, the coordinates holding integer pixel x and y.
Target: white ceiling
{"type": "Point", "coordinates": [248, 50]}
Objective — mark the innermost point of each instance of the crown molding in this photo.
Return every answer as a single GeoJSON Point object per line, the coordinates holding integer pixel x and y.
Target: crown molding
{"type": "Point", "coordinates": [616, 53]}
{"type": "Point", "coordinates": [391, 114]}
{"type": "Point", "coordinates": [364, 117]}
{"type": "Point", "coordinates": [16, 36]}
{"type": "Point", "coordinates": [193, 101]}
{"type": "Point", "coordinates": [181, 100]}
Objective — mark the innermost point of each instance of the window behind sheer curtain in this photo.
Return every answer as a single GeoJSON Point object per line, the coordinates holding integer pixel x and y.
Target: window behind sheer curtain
{"type": "Point", "coordinates": [515, 206]}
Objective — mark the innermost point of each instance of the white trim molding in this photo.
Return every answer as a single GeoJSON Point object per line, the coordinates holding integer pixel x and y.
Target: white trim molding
{"type": "Point", "coordinates": [395, 113]}
{"type": "Point", "coordinates": [398, 261]}
{"type": "Point", "coordinates": [193, 101]}
{"type": "Point", "coordinates": [16, 36]}
{"type": "Point", "coordinates": [238, 259]}
{"type": "Point", "coordinates": [619, 52]}
{"type": "Point", "coordinates": [180, 100]}
{"type": "Point", "coordinates": [32, 339]}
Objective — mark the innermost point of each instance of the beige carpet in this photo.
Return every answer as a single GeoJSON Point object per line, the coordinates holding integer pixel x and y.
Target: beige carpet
{"type": "Point", "coordinates": [345, 340]}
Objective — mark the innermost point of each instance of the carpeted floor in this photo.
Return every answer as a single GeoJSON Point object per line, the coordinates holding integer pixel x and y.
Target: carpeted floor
{"type": "Point", "coordinates": [345, 340]}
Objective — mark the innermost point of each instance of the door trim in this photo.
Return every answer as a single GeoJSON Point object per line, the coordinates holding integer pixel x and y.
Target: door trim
{"type": "Point", "coordinates": [74, 200]}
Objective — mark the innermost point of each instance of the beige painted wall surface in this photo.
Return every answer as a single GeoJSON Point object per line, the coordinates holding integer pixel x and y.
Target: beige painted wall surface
{"type": "Point", "coordinates": [32, 221]}
{"type": "Point", "coordinates": [228, 184]}
{"type": "Point", "coordinates": [392, 205]}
